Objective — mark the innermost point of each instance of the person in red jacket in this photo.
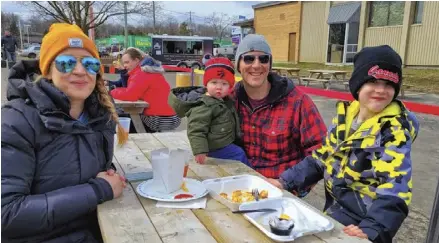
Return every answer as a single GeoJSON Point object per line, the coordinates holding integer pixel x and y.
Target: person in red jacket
{"type": "Point", "coordinates": [146, 82]}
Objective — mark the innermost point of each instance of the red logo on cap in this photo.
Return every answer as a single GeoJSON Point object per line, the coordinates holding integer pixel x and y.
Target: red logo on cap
{"type": "Point", "coordinates": [379, 73]}
{"type": "Point", "coordinates": [220, 73]}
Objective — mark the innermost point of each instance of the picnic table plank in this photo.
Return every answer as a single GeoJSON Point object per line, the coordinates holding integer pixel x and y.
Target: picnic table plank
{"type": "Point", "coordinates": [138, 103]}
{"type": "Point", "coordinates": [222, 223]}
{"type": "Point", "coordinates": [130, 158]}
{"type": "Point", "coordinates": [146, 142]}
{"type": "Point", "coordinates": [327, 71]}
{"type": "Point", "coordinates": [176, 225]}
{"type": "Point", "coordinates": [286, 68]}
{"type": "Point", "coordinates": [323, 81]}
{"type": "Point", "coordinates": [172, 140]}
{"type": "Point", "coordinates": [290, 71]}
{"type": "Point", "coordinates": [123, 220]}
{"type": "Point", "coordinates": [332, 79]}
{"type": "Point", "coordinates": [173, 226]}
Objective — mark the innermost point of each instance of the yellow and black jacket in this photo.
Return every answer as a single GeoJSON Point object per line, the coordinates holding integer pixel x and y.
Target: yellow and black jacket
{"type": "Point", "coordinates": [368, 179]}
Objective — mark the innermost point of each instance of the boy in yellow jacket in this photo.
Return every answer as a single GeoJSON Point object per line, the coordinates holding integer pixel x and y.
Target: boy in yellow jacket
{"type": "Point", "coordinates": [365, 159]}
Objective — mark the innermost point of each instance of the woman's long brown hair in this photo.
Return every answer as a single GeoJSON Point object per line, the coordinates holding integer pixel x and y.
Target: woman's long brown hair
{"type": "Point", "coordinates": [105, 100]}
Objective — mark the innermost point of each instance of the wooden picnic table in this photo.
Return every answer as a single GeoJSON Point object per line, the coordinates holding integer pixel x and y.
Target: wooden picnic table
{"type": "Point", "coordinates": [291, 72]}
{"type": "Point", "coordinates": [335, 76]}
{"type": "Point", "coordinates": [134, 108]}
{"type": "Point", "coordinates": [132, 218]}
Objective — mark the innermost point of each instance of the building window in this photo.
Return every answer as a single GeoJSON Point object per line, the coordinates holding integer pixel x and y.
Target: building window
{"type": "Point", "coordinates": [419, 10]}
{"type": "Point", "coordinates": [386, 13]}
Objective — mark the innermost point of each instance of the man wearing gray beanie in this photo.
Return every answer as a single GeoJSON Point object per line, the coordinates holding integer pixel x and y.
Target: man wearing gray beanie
{"type": "Point", "coordinates": [280, 124]}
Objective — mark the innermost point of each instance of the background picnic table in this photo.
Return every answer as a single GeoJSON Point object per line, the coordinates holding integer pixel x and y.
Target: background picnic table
{"type": "Point", "coordinates": [134, 108]}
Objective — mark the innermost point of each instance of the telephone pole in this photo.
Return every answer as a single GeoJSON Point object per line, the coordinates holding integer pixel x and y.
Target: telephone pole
{"type": "Point", "coordinates": [190, 23]}
{"type": "Point", "coordinates": [21, 36]}
{"type": "Point", "coordinates": [153, 15]}
{"type": "Point", "coordinates": [126, 23]}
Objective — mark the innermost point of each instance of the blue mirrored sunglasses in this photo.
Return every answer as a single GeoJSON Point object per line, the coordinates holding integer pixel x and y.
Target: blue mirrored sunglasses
{"type": "Point", "coordinates": [67, 63]}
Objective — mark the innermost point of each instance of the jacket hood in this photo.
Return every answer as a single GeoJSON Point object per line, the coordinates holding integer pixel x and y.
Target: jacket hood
{"type": "Point", "coordinates": [184, 98]}
{"type": "Point", "coordinates": [53, 105]}
{"type": "Point", "coordinates": [150, 65]}
{"type": "Point", "coordinates": [280, 87]}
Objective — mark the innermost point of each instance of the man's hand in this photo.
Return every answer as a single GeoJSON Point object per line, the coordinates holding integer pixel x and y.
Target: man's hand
{"type": "Point", "coordinates": [200, 158]}
{"type": "Point", "coordinates": [353, 230]}
{"type": "Point", "coordinates": [275, 182]}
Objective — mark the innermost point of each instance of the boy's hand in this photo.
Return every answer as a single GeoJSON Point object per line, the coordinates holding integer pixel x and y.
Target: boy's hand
{"type": "Point", "coordinates": [275, 182]}
{"type": "Point", "coordinates": [200, 158]}
{"type": "Point", "coordinates": [353, 230]}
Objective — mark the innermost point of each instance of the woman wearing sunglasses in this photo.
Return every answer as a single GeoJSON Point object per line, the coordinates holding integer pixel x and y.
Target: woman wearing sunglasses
{"type": "Point", "coordinates": [57, 143]}
{"type": "Point", "coordinates": [146, 82]}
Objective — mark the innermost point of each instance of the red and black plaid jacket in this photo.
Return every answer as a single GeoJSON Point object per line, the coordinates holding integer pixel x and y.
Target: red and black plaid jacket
{"type": "Point", "coordinates": [279, 134]}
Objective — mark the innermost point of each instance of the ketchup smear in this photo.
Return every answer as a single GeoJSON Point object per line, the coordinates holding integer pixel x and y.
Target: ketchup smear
{"type": "Point", "coordinates": [182, 196]}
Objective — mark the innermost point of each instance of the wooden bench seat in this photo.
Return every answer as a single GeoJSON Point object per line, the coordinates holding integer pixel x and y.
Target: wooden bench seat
{"type": "Point", "coordinates": [308, 80]}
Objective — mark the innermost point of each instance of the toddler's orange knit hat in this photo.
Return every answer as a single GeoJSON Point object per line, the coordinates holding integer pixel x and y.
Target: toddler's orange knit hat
{"type": "Point", "coordinates": [60, 37]}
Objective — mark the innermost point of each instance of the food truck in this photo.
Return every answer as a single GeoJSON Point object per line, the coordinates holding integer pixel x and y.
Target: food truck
{"type": "Point", "coordinates": [183, 51]}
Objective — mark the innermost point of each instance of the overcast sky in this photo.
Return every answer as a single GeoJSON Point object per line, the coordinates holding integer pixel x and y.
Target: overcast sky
{"type": "Point", "coordinates": [178, 9]}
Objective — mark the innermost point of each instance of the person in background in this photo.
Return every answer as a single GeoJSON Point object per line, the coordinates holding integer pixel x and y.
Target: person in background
{"type": "Point", "coordinates": [9, 44]}
{"type": "Point", "coordinates": [280, 124]}
{"type": "Point", "coordinates": [365, 159]}
{"type": "Point", "coordinates": [57, 143]}
{"type": "Point", "coordinates": [146, 82]}
{"type": "Point", "coordinates": [213, 124]}
{"type": "Point", "coordinates": [123, 81]}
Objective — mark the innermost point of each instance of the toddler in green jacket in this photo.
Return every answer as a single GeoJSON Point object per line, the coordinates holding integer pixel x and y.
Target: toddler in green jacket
{"type": "Point", "coordinates": [213, 123]}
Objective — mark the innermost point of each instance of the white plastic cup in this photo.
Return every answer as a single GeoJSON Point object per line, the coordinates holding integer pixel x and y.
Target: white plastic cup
{"type": "Point", "coordinates": [125, 123]}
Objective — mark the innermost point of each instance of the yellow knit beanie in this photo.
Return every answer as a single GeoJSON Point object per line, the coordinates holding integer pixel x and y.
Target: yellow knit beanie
{"type": "Point", "coordinates": [60, 37]}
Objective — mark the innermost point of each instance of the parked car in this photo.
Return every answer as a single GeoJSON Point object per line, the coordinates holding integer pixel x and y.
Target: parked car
{"type": "Point", "coordinates": [103, 51]}
{"type": "Point", "coordinates": [31, 52]}
{"type": "Point", "coordinates": [225, 51]}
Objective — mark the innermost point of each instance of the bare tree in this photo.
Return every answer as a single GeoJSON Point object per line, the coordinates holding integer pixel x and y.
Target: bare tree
{"type": "Point", "coordinates": [79, 12]}
{"type": "Point", "coordinates": [38, 24]}
{"type": "Point", "coordinates": [10, 22]}
{"type": "Point", "coordinates": [107, 30]}
{"type": "Point", "coordinates": [221, 24]}
{"type": "Point", "coordinates": [205, 30]}
{"type": "Point", "coordinates": [171, 26]}
{"type": "Point", "coordinates": [184, 29]}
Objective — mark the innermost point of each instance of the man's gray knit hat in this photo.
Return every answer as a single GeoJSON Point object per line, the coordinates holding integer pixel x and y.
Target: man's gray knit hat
{"type": "Point", "coordinates": [252, 42]}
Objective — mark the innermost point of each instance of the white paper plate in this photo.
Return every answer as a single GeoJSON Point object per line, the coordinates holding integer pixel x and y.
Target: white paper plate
{"type": "Point", "coordinates": [148, 190]}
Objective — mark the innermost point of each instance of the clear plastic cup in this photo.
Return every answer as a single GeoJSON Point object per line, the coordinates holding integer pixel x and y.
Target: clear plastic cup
{"type": "Point", "coordinates": [125, 123]}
